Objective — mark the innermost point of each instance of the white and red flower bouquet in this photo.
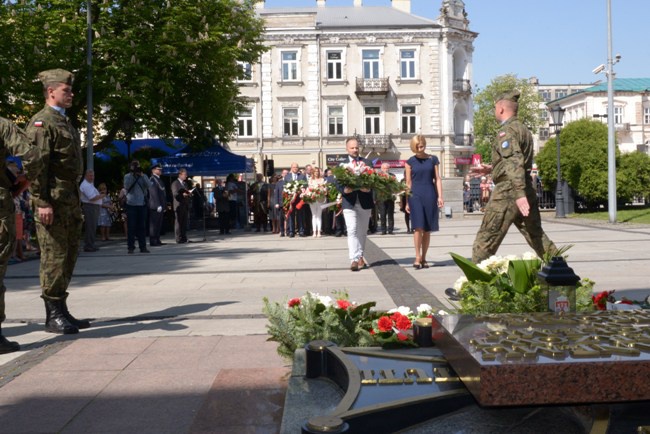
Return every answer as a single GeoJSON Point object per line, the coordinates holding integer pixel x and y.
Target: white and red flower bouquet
{"type": "Point", "coordinates": [357, 175]}
{"type": "Point", "coordinates": [314, 193]}
{"type": "Point", "coordinates": [291, 196]}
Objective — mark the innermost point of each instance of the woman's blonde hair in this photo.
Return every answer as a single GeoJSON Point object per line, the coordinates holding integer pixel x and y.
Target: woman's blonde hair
{"type": "Point", "coordinates": [415, 141]}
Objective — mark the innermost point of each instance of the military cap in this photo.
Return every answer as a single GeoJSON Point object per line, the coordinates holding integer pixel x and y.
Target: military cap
{"type": "Point", "coordinates": [156, 166]}
{"type": "Point", "coordinates": [56, 76]}
{"type": "Point", "coordinates": [512, 96]}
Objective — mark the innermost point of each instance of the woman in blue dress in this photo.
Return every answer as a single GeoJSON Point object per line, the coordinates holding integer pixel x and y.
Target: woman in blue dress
{"type": "Point", "coordinates": [422, 176]}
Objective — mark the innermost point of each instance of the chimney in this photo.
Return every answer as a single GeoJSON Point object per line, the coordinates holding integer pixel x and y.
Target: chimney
{"type": "Point", "coordinates": [259, 4]}
{"type": "Point", "coordinates": [402, 5]}
{"type": "Point", "coordinates": [358, 3]}
{"type": "Point", "coordinates": [320, 3]}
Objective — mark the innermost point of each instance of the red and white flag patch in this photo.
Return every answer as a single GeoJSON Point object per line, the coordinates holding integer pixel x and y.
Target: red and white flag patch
{"type": "Point", "coordinates": [38, 123]}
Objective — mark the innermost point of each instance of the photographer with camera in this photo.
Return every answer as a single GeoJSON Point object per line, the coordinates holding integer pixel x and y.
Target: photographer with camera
{"type": "Point", "coordinates": [137, 185]}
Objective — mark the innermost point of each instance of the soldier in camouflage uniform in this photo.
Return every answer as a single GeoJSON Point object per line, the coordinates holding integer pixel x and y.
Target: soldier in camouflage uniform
{"type": "Point", "coordinates": [13, 141]}
{"type": "Point", "coordinates": [514, 199]}
{"type": "Point", "coordinates": [55, 198]}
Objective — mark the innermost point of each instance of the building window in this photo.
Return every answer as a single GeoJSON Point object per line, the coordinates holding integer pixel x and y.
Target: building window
{"type": "Point", "coordinates": [372, 120]}
{"type": "Point", "coordinates": [543, 133]}
{"type": "Point", "coordinates": [407, 63]}
{"type": "Point", "coordinates": [543, 115]}
{"type": "Point", "coordinates": [247, 71]}
{"type": "Point", "coordinates": [370, 63]}
{"type": "Point", "coordinates": [335, 121]}
{"type": "Point", "coordinates": [409, 119]}
{"type": "Point", "coordinates": [646, 115]}
{"type": "Point", "coordinates": [289, 65]}
{"type": "Point", "coordinates": [618, 115]}
{"type": "Point", "coordinates": [290, 122]}
{"type": "Point", "coordinates": [334, 65]}
{"type": "Point", "coordinates": [545, 94]}
{"type": "Point", "coordinates": [245, 123]}
{"type": "Point", "coordinates": [560, 93]}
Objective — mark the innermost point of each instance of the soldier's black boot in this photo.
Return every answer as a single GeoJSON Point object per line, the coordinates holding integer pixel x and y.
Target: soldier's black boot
{"type": "Point", "coordinates": [7, 346]}
{"type": "Point", "coordinates": [55, 321]}
{"type": "Point", "coordinates": [79, 323]}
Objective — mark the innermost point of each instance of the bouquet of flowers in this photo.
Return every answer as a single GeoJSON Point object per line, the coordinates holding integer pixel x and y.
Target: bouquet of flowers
{"type": "Point", "coordinates": [357, 175]}
{"type": "Point", "coordinates": [393, 329]}
{"type": "Point", "coordinates": [507, 285]}
{"type": "Point", "coordinates": [605, 300]}
{"type": "Point", "coordinates": [313, 316]}
{"type": "Point", "coordinates": [334, 198]}
{"type": "Point", "coordinates": [291, 195]}
{"type": "Point", "coordinates": [314, 193]}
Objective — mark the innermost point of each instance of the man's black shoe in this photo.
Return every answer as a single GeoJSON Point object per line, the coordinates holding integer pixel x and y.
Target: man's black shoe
{"type": "Point", "coordinates": [130, 251]}
{"type": "Point", "coordinates": [144, 251]}
{"type": "Point", "coordinates": [338, 234]}
{"type": "Point", "coordinates": [383, 232]}
{"type": "Point", "coordinates": [291, 235]}
{"type": "Point", "coordinates": [8, 346]}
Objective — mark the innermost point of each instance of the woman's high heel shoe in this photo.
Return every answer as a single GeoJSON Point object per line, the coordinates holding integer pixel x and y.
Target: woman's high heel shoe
{"type": "Point", "coordinates": [417, 266]}
{"type": "Point", "coordinates": [424, 264]}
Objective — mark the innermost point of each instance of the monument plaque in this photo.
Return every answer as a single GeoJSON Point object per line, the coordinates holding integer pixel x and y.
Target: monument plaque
{"type": "Point", "coordinates": [544, 358]}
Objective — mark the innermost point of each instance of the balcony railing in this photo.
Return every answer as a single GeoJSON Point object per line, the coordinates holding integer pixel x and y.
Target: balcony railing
{"type": "Point", "coordinates": [462, 85]}
{"type": "Point", "coordinates": [372, 86]}
{"type": "Point", "coordinates": [375, 141]}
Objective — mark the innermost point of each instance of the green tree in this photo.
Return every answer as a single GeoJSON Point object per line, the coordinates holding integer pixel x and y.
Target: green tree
{"type": "Point", "coordinates": [486, 126]}
{"type": "Point", "coordinates": [171, 66]}
{"type": "Point", "coordinates": [584, 164]}
{"type": "Point", "coordinates": [633, 176]}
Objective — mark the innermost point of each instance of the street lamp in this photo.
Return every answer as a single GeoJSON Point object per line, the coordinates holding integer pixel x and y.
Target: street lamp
{"type": "Point", "coordinates": [557, 113]}
{"type": "Point", "coordinates": [127, 126]}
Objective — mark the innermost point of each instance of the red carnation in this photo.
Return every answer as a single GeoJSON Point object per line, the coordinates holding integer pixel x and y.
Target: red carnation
{"type": "Point", "coordinates": [402, 336]}
{"type": "Point", "coordinates": [294, 302]}
{"type": "Point", "coordinates": [343, 304]}
{"type": "Point", "coordinates": [385, 324]}
{"type": "Point", "coordinates": [403, 323]}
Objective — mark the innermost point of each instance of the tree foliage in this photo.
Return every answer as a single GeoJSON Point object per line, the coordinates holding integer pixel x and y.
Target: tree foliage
{"type": "Point", "coordinates": [486, 126]}
{"type": "Point", "coordinates": [584, 160]}
{"type": "Point", "coordinates": [633, 176]}
{"type": "Point", "coordinates": [170, 65]}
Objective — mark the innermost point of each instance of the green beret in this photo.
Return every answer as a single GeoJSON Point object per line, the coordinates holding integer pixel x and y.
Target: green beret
{"type": "Point", "coordinates": [512, 95]}
{"type": "Point", "coordinates": [56, 76]}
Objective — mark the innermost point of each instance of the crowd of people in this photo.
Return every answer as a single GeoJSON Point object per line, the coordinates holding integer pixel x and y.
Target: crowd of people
{"type": "Point", "coordinates": [58, 199]}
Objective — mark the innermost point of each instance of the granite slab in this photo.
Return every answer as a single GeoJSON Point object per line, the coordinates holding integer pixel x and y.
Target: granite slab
{"type": "Point", "coordinates": [539, 358]}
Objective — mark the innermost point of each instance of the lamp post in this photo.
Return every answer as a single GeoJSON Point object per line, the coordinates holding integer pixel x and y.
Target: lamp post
{"type": "Point", "coordinates": [557, 113]}
{"type": "Point", "coordinates": [127, 126]}
{"type": "Point", "coordinates": [611, 141]}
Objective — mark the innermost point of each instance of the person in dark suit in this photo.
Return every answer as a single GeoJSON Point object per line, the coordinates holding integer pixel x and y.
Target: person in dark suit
{"type": "Point", "coordinates": [157, 205]}
{"type": "Point", "coordinates": [297, 216]}
{"type": "Point", "coordinates": [278, 201]}
{"type": "Point", "coordinates": [357, 208]}
{"type": "Point", "coordinates": [181, 194]}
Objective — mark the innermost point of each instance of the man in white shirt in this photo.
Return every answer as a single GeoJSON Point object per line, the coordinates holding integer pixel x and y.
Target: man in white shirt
{"type": "Point", "coordinates": [91, 201]}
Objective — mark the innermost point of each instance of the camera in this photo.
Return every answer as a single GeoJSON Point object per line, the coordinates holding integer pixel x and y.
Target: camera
{"type": "Point", "coordinates": [135, 168]}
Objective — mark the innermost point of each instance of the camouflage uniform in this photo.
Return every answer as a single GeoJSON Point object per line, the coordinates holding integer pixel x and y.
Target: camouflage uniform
{"type": "Point", "coordinates": [512, 161]}
{"type": "Point", "coordinates": [57, 186]}
{"type": "Point", "coordinates": [13, 141]}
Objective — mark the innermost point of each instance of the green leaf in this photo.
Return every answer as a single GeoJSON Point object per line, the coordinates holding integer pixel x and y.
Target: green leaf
{"type": "Point", "coordinates": [471, 270]}
{"type": "Point", "coordinates": [522, 274]}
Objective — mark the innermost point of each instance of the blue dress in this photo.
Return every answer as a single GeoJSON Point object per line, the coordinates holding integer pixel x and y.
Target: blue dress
{"type": "Point", "coordinates": [423, 200]}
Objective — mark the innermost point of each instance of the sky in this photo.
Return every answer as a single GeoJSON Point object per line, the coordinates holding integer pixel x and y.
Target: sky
{"type": "Point", "coordinates": [557, 41]}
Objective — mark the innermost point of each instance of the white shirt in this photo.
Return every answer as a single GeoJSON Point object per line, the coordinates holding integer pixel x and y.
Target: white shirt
{"type": "Point", "coordinates": [89, 191]}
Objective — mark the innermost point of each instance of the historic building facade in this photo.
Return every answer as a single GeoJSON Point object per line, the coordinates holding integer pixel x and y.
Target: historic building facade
{"type": "Point", "coordinates": [631, 110]}
{"type": "Point", "coordinates": [379, 73]}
